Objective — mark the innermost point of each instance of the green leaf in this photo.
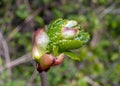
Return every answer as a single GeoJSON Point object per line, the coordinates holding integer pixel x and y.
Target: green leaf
{"type": "Point", "coordinates": [72, 55]}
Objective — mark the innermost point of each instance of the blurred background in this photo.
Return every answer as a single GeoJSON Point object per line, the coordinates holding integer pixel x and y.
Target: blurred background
{"type": "Point", "coordinates": [100, 58]}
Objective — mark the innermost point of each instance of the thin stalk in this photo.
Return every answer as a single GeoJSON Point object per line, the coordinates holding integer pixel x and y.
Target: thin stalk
{"type": "Point", "coordinates": [43, 78]}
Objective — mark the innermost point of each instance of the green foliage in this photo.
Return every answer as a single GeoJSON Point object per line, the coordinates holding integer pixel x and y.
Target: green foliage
{"type": "Point", "coordinates": [57, 13]}
{"type": "Point", "coordinates": [59, 43]}
{"type": "Point", "coordinates": [21, 12]}
{"type": "Point", "coordinates": [39, 20]}
{"type": "Point", "coordinates": [14, 83]}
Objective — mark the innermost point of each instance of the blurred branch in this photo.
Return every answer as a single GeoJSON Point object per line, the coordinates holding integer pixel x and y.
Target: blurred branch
{"type": "Point", "coordinates": [25, 58]}
{"type": "Point", "coordinates": [109, 9]}
{"type": "Point", "coordinates": [116, 11]}
{"type": "Point", "coordinates": [96, 37]}
{"type": "Point", "coordinates": [1, 66]}
{"type": "Point", "coordinates": [32, 78]}
{"type": "Point", "coordinates": [27, 20]}
{"type": "Point", "coordinates": [6, 54]}
{"type": "Point", "coordinates": [90, 81]}
{"type": "Point", "coordinates": [106, 11]}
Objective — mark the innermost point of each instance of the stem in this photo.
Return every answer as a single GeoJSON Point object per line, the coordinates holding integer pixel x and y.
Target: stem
{"type": "Point", "coordinates": [43, 78]}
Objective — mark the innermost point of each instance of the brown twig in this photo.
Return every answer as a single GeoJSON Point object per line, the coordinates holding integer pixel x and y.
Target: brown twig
{"type": "Point", "coordinates": [42, 74]}
{"type": "Point", "coordinates": [6, 54]}
{"type": "Point", "coordinates": [43, 78]}
{"type": "Point", "coordinates": [90, 81]}
{"type": "Point", "coordinates": [1, 51]}
{"type": "Point", "coordinates": [30, 81]}
{"type": "Point", "coordinates": [28, 19]}
{"type": "Point", "coordinates": [25, 58]}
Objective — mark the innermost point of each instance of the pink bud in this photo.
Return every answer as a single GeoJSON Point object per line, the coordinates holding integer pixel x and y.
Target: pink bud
{"type": "Point", "coordinates": [46, 61]}
{"type": "Point", "coordinates": [41, 39]}
{"type": "Point", "coordinates": [68, 32]}
{"type": "Point", "coordinates": [59, 59]}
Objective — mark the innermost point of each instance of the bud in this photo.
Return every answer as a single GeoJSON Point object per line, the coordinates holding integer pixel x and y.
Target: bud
{"type": "Point", "coordinates": [70, 29]}
{"type": "Point", "coordinates": [48, 60]}
{"type": "Point", "coordinates": [69, 32]}
{"type": "Point", "coordinates": [59, 59]}
{"type": "Point", "coordinates": [71, 23]}
{"type": "Point", "coordinates": [41, 39]}
{"type": "Point", "coordinates": [35, 53]}
{"type": "Point", "coordinates": [40, 43]}
{"type": "Point", "coordinates": [44, 61]}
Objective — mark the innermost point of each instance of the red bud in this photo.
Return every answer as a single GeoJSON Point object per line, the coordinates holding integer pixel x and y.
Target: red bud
{"type": "Point", "coordinates": [47, 60]}
{"type": "Point", "coordinates": [59, 59]}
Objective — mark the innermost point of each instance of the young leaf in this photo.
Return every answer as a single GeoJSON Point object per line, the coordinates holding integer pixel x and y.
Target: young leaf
{"type": "Point", "coordinates": [72, 56]}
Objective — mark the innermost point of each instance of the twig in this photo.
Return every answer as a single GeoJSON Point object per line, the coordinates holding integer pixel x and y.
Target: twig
{"type": "Point", "coordinates": [29, 83]}
{"type": "Point", "coordinates": [109, 9]}
{"type": "Point", "coordinates": [116, 11]}
{"type": "Point", "coordinates": [25, 58]}
{"type": "Point", "coordinates": [28, 19]}
{"type": "Point", "coordinates": [43, 78]}
{"type": "Point", "coordinates": [1, 52]}
{"type": "Point", "coordinates": [6, 54]}
{"type": "Point", "coordinates": [90, 81]}
{"type": "Point", "coordinates": [106, 11]}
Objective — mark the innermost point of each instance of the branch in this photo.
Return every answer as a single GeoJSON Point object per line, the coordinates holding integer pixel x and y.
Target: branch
{"type": "Point", "coordinates": [106, 11]}
{"type": "Point", "coordinates": [29, 82]}
{"type": "Point", "coordinates": [28, 19]}
{"type": "Point", "coordinates": [90, 81]}
{"type": "Point", "coordinates": [6, 53]}
{"type": "Point", "coordinates": [25, 58]}
{"type": "Point", "coordinates": [43, 78]}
